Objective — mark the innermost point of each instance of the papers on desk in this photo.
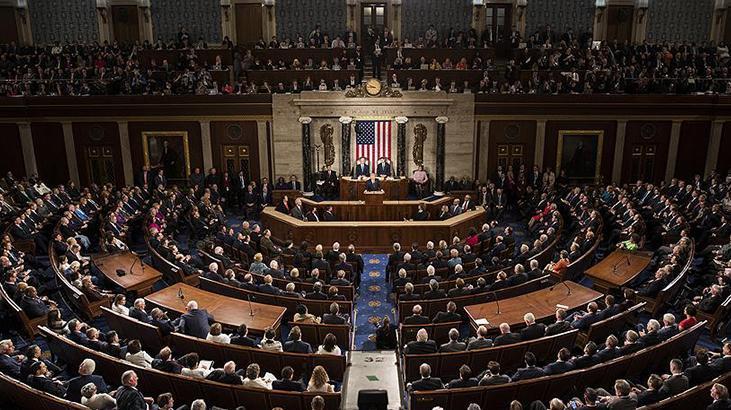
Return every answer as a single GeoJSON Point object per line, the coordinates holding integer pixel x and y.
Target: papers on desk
{"type": "Point", "coordinates": [482, 322]}
{"type": "Point", "coordinates": [269, 378]}
{"type": "Point", "coordinates": [205, 364]}
{"type": "Point", "coordinates": [564, 307]}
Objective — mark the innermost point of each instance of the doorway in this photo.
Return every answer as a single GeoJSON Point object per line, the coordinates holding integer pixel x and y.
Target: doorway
{"type": "Point", "coordinates": [373, 16]}
{"type": "Point", "coordinates": [619, 23]}
{"type": "Point", "coordinates": [248, 24]}
{"type": "Point", "coordinates": [236, 158]}
{"type": "Point", "coordinates": [126, 24]}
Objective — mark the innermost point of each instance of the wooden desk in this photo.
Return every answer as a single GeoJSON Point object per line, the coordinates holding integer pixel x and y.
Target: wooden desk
{"type": "Point", "coordinates": [352, 189]}
{"type": "Point", "coordinates": [441, 54]}
{"type": "Point", "coordinates": [617, 269]}
{"type": "Point", "coordinates": [386, 211]}
{"type": "Point", "coordinates": [228, 311]}
{"type": "Point", "coordinates": [139, 280]}
{"type": "Point", "coordinates": [287, 76]}
{"type": "Point", "coordinates": [371, 236]}
{"type": "Point", "coordinates": [541, 303]}
{"type": "Point", "coordinates": [291, 194]}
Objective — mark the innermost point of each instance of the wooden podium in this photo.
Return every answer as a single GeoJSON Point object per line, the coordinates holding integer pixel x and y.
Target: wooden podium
{"type": "Point", "coordinates": [374, 198]}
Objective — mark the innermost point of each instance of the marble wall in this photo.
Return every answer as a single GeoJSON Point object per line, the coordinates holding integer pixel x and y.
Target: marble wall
{"type": "Point", "coordinates": [420, 108]}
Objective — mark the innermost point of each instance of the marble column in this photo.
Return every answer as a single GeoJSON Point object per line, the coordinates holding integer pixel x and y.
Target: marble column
{"type": "Point", "coordinates": [206, 145]}
{"type": "Point", "coordinates": [263, 137]}
{"type": "Point", "coordinates": [673, 150]}
{"type": "Point", "coordinates": [306, 155]}
{"type": "Point", "coordinates": [345, 145]}
{"type": "Point", "coordinates": [126, 152]}
{"type": "Point", "coordinates": [26, 144]}
{"type": "Point", "coordinates": [401, 146]}
{"type": "Point", "coordinates": [540, 143]}
{"type": "Point", "coordinates": [68, 142]}
{"type": "Point", "coordinates": [441, 142]}
{"type": "Point", "coordinates": [619, 151]}
{"type": "Point", "coordinates": [714, 146]}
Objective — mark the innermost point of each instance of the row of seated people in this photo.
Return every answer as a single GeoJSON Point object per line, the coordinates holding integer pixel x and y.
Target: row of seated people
{"type": "Point", "coordinates": [95, 392]}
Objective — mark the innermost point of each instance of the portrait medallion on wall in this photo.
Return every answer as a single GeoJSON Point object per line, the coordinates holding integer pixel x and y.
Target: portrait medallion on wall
{"type": "Point", "coordinates": [167, 150]}
{"type": "Point", "coordinates": [579, 154]}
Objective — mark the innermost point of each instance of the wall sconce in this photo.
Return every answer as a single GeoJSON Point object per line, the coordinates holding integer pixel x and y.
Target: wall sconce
{"type": "Point", "coordinates": [21, 6]}
{"type": "Point", "coordinates": [226, 6]}
{"type": "Point", "coordinates": [522, 5]}
{"type": "Point", "coordinates": [269, 4]}
{"type": "Point", "coordinates": [601, 5]}
{"type": "Point", "coordinates": [641, 6]}
{"type": "Point", "coordinates": [720, 8]}
{"type": "Point", "coordinates": [101, 7]}
{"type": "Point", "coordinates": [478, 5]}
{"type": "Point", "coordinates": [144, 5]}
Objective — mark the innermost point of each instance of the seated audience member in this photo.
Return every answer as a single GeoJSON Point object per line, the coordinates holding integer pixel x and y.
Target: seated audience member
{"type": "Point", "coordinates": [165, 362]}
{"type": "Point", "coordinates": [295, 343]}
{"type": "Point", "coordinates": [588, 359]}
{"type": "Point", "coordinates": [242, 338]}
{"type": "Point", "coordinates": [622, 398]}
{"type": "Point", "coordinates": [191, 366]}
{"type": "Point", "coordinates": [226, 375]}
{"type": "Point", "coordinates": [286, 383]}
{"type": "Point", "coordinates": [450, 315]}
{"type": "Point", "coordinates": [562, 364]}
{"type": "Point", "coordinates": [136, 355]}
{"type": "Point", "coordinates": [329, 346]}
{"type": "Point", "coordinates": [702, 371]}
{"type": "Point", "coordinates": [195, 322]}
{"type": "Point", "coordinates": [650, 337]}
{"type": "Point", "coordinates": [137, 311]}
{"type": "Point", "coordinates": [560, 325]}
{"type": "Point", "coordinates": [676, 382]}
{"type": "Point", "coordinates": [583, 321]}
{"type": "Point", "coordinates": [91, 398]}
{"type": "Point", "coordinates": [320, 381]}
{"type": "Point", "coordinates": [690, 318]}
{"type": "Point", "coordinates": [465, 379]}
{"type": "Point", "coordinates": [334, 317]}
{"type": "Point", "coordinates": [481, 341]}
{"type": "Point", "coordinates": [453, 345]}
{"type": "Point", "coordinates": [268, 342]}
{"type": "Point", "coordinates": [719, 394]}
{"type": "Point", "coordinates": [492, 375]}
{"type": "Point", "coordinates": [128, 397]}
{"type": "Point", "coordinates": [651, 394]}
{"type": "Point", "coordinates": [426, 382]}
{"type": "Point", "coordinates": [669, 328]}
{"type": "Point", "coordinates": [416, 318]}
{"type": "Point", "coordinates": [86, 375]}
{"type": "Point", "coordinates": [422, 344]}
{"type": "Point", "coordinates": [215, 334]}
{"type": "Point", "coordinates": [252, 379]}
{"type": "Point", "coordinates": [610, 350]}
{"type": "Point", "coordinates": [303, 316]}
{"type": "Point", "coordinates": [38, 380]}
{"type": "Point", "coordinates": [631, 343]}
{"type": "Point", "coordinates": [386, 335]}
{"type": "Point", "coordinates": [532, 330]}
{"type": "Point", "coordinates": [506, 337]}
{"type": "Point", "coordinates": [530, 371]}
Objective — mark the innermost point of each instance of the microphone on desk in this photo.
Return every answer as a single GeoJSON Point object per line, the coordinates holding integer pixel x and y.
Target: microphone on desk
{"type": "Point", "coordinates": [563, 283]}
{"type": "Point", "coordinates": [251, 309]}
{"type": "Point", "coordinates": [497, 302]}
{"type": "Point", "coordinates": [181, 296]}
{"type": "Point", "coordinates": [133, 265]}
{"type": "Point", "coordinates": [629, 263]}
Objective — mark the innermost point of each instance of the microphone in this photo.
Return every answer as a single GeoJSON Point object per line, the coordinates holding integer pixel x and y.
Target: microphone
{"type": "Point", "coordinates": [181, 296]}
{"type": "Point", "coordinates": [629, 263]}
{"type": "Point", "coordinates": [133, 265]}
{"type": "Point", "coordinates": [251, 310]}
{"type": "Point", "coordinates": [497, 302]}
{"type": "Point", "coordinates": [563, 283]}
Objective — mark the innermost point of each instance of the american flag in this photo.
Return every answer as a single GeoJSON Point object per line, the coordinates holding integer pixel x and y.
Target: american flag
{"type": "Point", "coordinates": [373, 141]}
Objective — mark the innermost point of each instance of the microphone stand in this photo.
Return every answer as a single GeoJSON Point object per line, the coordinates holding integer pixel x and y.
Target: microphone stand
{"type": "Point", "coordinates": [133, 265]}
{"type": "Point", "coordinates": [563, 283]}
{"type": "Point", "coordinates": [251, 310]}
{"type": "Point", "coordinates": [497, 302]}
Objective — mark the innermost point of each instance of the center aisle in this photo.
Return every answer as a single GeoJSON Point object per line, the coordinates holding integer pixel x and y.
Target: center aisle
{"type": "Point", "coordinates": [373, 301]}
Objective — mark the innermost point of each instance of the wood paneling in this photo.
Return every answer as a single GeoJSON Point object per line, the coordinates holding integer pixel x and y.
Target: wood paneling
{"type": "Point", "coordinates": [88, 134]}
{"type": "Point", "coordinates": [194, 140]}
{"type": "Point", "coordinates": [50, 151]}
{"type": "Point", "coordinates": [510, 133]}
{"type": "Point", "coordinates": [248, 23]}
{"type": "Point", "coordinates": [12, 150]}
{"type": "Point", "coordinates": [619, 23]}
{"type": "Point", "coordinates": [694, 138]}
{"type": "Point", "coordinates": [225, 133]}
{"type": "Point", "coordinates": [126, 24]}
{"type": "Point", "coordinates": [610, 133]}
{"type": "Point", "coordinates": [656, 133]}
{"type": "Point", "coordinates": [724, 153]}
{"type": "Point", "coordinates": [8, 25]}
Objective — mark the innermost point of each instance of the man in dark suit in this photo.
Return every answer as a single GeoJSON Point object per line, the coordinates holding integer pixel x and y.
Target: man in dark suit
{"type": "Point", "coordinates": [530, 371]}
{"type": "Point", "coordinates": [227, 375]}
{"type": "Point", "coordinates": [465, 379]}
{"type": "Point", "coordinates": [127, 396]}
{"type": "Point", "coordinates": [532, 330]}
{"type": "Point", "coordinates": [317, 293]}
{"type": "Point", "coordinates": [560, 325]}
{"type": "Point", "coordinates": [422, 344]}
{"type": "Point", "coordinates": [421, 214]}
{"type": "Point", "coordinates": [195, 322]}
{"type": "Point", "coordinates": [492, 375]}
{"type": "Point", "coordinates": [334, 317]}
{"type": "Point", "coordinates": [610, 350]}
{"type": "Point", "coordinates": [434, 292]}
{"type": "Point", "coordinates": [426, 382]}
{"type": "Point", "coordinates": [138, 311]}
{"type": "Point", "coordinates": [165, 362]}
{"type": "Point", "coordinates": [677, 382]}
{"type": "Point", "coordinates": [588, 359]}
{"type": "Point", "coordinates": [161, 321]}
{"type": "Point", "coordinates": [297, 210]}
{"type": "Point", "coordinates": [293, 184]}
{"type": "Point", "coordinates": [481, 341]}
{"type": "Point", "coordinates": [719, 393]}
{"type": "Point", "coordinates": [373, 184]}
{"type": "Point", "coordinates": [582, 322]}
{"type": "Point", "coordinates": [453, 345]}
{"type": "Point", "coordinates": [242, 338]}
{"type": "Point", "coordinates": [702, 372]}
{"type": "Point", "coordinates": [622, 398]}
{"type": "Point", "coordinates": [38, 380]}
{"type": "Point", "coordinates": [286, 383]}
{"type": "Point", "coordinates": [652, 393]}
{"type": "Point", "coordinates": [416, 318]}
{"type": "Point", "coordinates": [86, 370]}
{"type": "Point", "coordinates": [450, 315]}
{"type": "Point", "coordinates": [561, 365]}
{"type": "Point", "coordinates": [631, 343]}
{"type": "Point", "coordinates": [362, 169]}
{"type": "Point", "coordinates": [506, 336]}
{"type": "Point", "coordinates": [9, 361]}
{"type": "Point", "coordinates": [295, 343]}
{"type": "Point", "coordinates": [384, 168]}
{"type": "Point", "coordinates": [268, 287]}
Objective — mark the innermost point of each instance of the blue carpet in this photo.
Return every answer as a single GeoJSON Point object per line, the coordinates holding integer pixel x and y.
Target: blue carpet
{"type": "Point", "coordinates": [373, 301]}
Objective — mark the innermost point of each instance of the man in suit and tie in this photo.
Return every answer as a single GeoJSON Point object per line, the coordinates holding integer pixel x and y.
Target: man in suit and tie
{"type": "Point", "coordinates": [506, 336]}
{"type": "Point", "coordinates": [330, 182]}
{"type": "Point", "coordinates": [468, 204]}
{"type": "Point", "coordinates": [560, 326]}
{"type": "Point", "coordinates": [286, 383]}
{"type": "Point", "coordinates": [160, 179]}
{"type": "Point", "coordinates": [362, 169]}
{"type": "Point", "coordinates": [422, 344]}
{"type": "Point", "coordinates": [454, 345]}
{"type": "Point", "coordinates": [561, 365]}
{"type": "Point", "coordinates": [481, 341]}
{"type": "Point", "coordinates": [143, 178]}
{"type": "Point", "coordinates": [297, 211]}
{"type": "Point", "coordinates": [450, 315]}
{"type": "Point", "coordinates": [532, 330]}
{"type": "Point", "coordinates": [530, 371]}
{"type": "Point", "coordinates": [677, 382]}
{"type": "Point", "coordinates": [86, 375]}
{"type": "Point", "coordinates": [328, 215]}
{"type": "Point", "coordinates": [384, 168]}
{"type": "Point", "coordinates": [9, 361]}
{"type": "Point", "coordinates": [426, 382]}
{"type": "Point", "coordinates": [373, 184]}
{"type": "Point", "coordinates": [195, 322]}
{"type": "Point", "coordinates": [416, 318]}
{"type": "Point", "coordinates": [295, 343]}
{"type": "Point", "coordinates": [294, 184]}
{"type": "Point", "coordinates": [499, 202]}
{"type": "Point", "coordinates": [456, 208]}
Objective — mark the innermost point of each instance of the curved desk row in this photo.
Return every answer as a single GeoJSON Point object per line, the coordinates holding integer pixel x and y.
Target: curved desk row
{"type": "Point", "coordinates": [383, 211]}
{"type": "Point", "coordinates": [371, 236]}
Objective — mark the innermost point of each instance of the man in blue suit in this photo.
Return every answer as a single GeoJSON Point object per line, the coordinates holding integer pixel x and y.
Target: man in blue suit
{"type": "Point", "coordinates": [373, 184]}
{"type": "Point", "coordinates": [384, 168]}
{"type": "Point", "coordinates": [86, 370]}
{"type": "Point", "coordinates": [295, 343]}
{"type": "Point", "coordinates": [362, 169]}
{"type": "Point", "coordinates": [9, 362]}
{"type": "Point", "coordinates": [195, 322]}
